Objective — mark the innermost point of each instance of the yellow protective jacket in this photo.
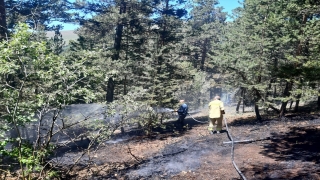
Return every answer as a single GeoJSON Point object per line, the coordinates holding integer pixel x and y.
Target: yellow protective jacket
{"type": "Point", "coordinates": [215, 108]}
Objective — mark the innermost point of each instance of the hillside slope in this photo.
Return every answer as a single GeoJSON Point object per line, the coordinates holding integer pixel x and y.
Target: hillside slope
{"type": "Point", "coordinates": [67, 35]}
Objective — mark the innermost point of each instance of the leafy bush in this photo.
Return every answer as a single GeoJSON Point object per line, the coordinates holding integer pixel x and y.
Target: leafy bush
{"type": "Point", "coordinates": [36, 84]}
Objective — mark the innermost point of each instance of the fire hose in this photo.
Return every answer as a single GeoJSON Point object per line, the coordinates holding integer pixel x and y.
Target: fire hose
{"type": "Point", "coordinates": [197, 120]}
{"type": "Point", "coordinates": [193, 118]}
{"type": "Point", "coordinates": [232, 149]}
{"type": "Point", "coordinates": [232, 152]}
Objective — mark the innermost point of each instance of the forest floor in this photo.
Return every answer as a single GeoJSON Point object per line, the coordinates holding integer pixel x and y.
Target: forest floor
{"type": "Point", "coordinates": [286, 148]}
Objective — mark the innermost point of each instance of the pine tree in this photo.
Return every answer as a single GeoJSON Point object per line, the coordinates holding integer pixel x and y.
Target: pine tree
{"type": "Point", "coordinates": [303, 17]}
{"type": "Point", "coordinates": [206, 20]}
{"type": "Point", "coordinates": [37, 13]}
{"type": "Point", "coordinates": [56, 43]}
{"type": "Point", "coordinates": [267, 51]}
{"type": "Point", "coordinates": [3, 23]}
{"type": "Point", "coordinates": [145, 40]}
{"type": "Point", "coordinates": [244, 52]}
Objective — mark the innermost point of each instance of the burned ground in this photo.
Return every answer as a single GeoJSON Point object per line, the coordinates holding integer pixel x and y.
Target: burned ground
{"type": "Point", "coordinates": [286, 148]}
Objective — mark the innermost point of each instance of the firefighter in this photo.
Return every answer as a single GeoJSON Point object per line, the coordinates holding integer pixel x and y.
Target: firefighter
{"type": "Point", "coordinates": [182, 112]}
{"type": "Point", "coordinates": [216, 111]}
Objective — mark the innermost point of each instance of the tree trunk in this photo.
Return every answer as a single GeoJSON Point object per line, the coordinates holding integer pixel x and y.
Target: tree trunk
{"type": "Point", "coordinates": [119, 32]}
{"type": "Point", "coordinates": [256, 107]}
{"type": "Point", "coordinates": [125, 85]}
{"type": "Point", "coordinates": [286, 93]}
{"type": "Point", "coordinates": [204, 54]}
{"type": "Point", "coordinates": [291, 102]}
{"type": "Point", "coordinates": [3, 23]}
{"type": "Point", "coordinates": [241, 99]}
{"type": "Point", "coordinates": [283, 109]}
{"type": "Point", "coordinates": [110, 90]}
{"type": "Point", "coordinates": [196, 60]}
{"type": "Point", "coordinates": [117, 47]}
{"type": "Point", "coordinates": [238, 105]}
{"type": "Point", "coordinates": [296, 108]}
{"type": "Point", "coordinates": [117, 41]}
{"type": "Point", "coordinates": [256, 110]}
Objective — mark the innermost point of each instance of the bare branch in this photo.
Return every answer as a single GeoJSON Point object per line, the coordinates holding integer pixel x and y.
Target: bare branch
{"type": "Point", "coordinates": [135, 157]}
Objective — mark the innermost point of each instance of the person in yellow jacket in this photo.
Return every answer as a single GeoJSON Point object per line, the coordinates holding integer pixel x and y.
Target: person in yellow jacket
{"type": "Point", "coordinates": [216, 111]}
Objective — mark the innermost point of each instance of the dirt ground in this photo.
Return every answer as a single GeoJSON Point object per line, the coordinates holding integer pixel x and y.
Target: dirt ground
{"type": "Point", "coordinates": [287, 148]}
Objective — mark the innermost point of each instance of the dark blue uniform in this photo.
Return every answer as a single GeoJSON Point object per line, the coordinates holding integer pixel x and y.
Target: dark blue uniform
{"type": "Point", "coordinates": [182, 112]}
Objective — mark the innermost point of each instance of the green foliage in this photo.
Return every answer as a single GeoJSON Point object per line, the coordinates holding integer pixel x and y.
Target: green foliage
{"type": "Point", "coordinates": [144, 52]}
{"type": "Point", "coordinates": [139, 55]}
{"type": "Point", "coordinates": [53, 174]}
{"type": "Point", "coordinates": [268, 50]}
{"type": "Point", "coordinates": [35, 81]}
{"type": "Point", "coordinates": [56, 43]}
{"type": "Point", "coordinates": [36, 13]}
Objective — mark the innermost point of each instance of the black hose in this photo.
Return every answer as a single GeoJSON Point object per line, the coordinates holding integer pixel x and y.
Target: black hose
{"type": "Point", "coordinates": [232, 152]}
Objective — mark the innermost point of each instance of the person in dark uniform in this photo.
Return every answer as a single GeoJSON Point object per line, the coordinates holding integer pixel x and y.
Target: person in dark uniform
{"type": "Point", "coordinates": [182, 112]}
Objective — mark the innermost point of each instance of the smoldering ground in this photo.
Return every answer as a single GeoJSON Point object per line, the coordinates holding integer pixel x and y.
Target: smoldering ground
{"type": "Point", "coordinates": [170, 151]}
{"type": "Point", "coordinates": [173, 158]}
{"type": "Point", "coordinates": [167, 154]}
